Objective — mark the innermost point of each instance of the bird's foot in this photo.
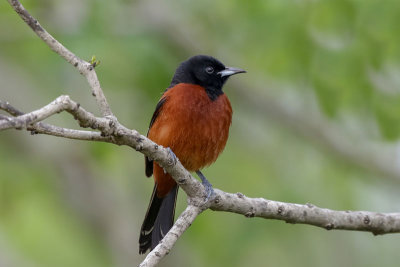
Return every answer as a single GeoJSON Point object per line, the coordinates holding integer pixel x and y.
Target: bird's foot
{"type": "Point", "coordinates": [173, 159]}
{"type": "Point", "coordinates": [207, 185]}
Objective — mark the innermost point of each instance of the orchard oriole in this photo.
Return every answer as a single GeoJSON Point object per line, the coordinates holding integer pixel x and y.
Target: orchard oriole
{"type": "Point", "coordinates": [192, 118]}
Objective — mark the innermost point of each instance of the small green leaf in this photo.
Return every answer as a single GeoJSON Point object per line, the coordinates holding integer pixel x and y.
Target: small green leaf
{"type": "Point", "coordinates": [93, 60]}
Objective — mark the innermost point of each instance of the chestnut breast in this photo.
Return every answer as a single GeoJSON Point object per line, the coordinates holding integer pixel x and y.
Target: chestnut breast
{"type": "Point", "coordinates": [192, 125]}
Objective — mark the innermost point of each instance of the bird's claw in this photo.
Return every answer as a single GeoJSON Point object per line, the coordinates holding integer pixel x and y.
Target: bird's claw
{"type": "Point", "coordinates": [173, 159]}
{"type": "Point", "coordinates": [209, 190]}
{"type": "Point", "coordinates": [207, 186]}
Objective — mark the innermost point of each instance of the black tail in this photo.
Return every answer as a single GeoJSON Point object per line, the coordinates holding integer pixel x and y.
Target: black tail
{"type": "Point", "coordinates": [158, 220]}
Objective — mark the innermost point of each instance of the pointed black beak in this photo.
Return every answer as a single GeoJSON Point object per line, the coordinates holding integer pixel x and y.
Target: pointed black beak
{"type": "Point", "coordinates": [229, 71]}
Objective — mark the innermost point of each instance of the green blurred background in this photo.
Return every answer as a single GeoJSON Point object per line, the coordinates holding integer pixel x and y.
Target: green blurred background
{"type": "Point", "coordinates": [316, 119]}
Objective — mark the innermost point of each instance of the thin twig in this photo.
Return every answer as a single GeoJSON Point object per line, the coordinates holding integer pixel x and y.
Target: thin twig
{"type": "Point", "coordinates": [49, 129]}
{"type": "Point", "coordinates": [62, 103]}
{"type": "Point", "coordinates": [45, 128]}
{"type": "Point", "coordinates": [7, 107]}
{"type": "Point", "coordinates": [85, 68]}
{"type": "Point", "coordinates": [164, 247]}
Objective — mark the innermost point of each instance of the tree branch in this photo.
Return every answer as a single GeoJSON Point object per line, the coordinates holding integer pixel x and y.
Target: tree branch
{"type": "Point", "coordinates": [84, 68]}
{"type": "Point", "coordinates": [45, 128]}
{"type": "Point", "coordinates": [6, 106]}
{"type": "Point", "coordinates": [376, 223]}
{"type": "Point", "coordinates": [62, 103]}
{"type": "Point", "coordinates": [164, 247]}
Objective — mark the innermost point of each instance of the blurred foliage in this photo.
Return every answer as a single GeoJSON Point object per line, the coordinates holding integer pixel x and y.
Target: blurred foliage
{"type": "Point", "coordinates": [345, 53]}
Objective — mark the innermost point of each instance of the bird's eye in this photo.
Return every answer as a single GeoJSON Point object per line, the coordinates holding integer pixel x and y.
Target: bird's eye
{"type": "Point", "coordinates": [209, 70]}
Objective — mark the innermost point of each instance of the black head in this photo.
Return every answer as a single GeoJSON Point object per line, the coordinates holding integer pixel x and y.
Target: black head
{"type": "Point", "coordinates": [205, 71]}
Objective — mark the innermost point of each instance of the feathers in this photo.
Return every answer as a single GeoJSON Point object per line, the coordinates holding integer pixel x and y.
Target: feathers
{"type": "Point", "coordinates": [148, 166]}
{"type": "Point", "coordinates": [149, 163]}
{"type": "Point", "coordinates": [192, 125]}
{"type": "Point", "coordinates": [158, 220]}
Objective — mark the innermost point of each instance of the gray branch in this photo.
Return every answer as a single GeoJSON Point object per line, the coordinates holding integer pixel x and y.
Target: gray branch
{"type": "Point", "coordinates": [62, 103]}
{"type": "Point", "coordinates": [376, 223]}
{"type": "Point", "coordinates": [84, 68]}
{"type": "Point", "coordinates": [164, 247]}
{"type": "Point", "coordinates": [45, 128]}
{"type": "Point", "coordinates": [111, 131]}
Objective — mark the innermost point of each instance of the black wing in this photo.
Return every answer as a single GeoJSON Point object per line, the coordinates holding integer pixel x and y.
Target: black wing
{"type": "Point", "coordinates": [147, 161]}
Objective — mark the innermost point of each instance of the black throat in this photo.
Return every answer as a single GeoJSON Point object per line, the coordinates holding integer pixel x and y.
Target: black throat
{"type": "Point", "coordinates": [213, 93]}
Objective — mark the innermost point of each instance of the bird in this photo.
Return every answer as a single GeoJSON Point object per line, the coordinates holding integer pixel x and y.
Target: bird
{"type": "Point", "coordinates": [191, 119]}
